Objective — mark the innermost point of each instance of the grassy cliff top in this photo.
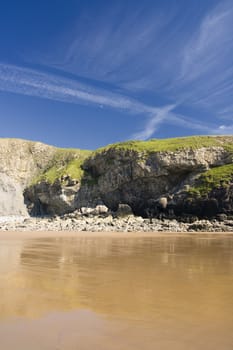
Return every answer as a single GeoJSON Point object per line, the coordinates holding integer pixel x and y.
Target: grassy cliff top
{"type": "Point", "coordinates": [173, 144]}
{"type": "Point", "coordinates": [213, 178]}
{"type": "Point", "coordinates": [64, 162]}
{"type": "Point", "coordinates": [69, 161]}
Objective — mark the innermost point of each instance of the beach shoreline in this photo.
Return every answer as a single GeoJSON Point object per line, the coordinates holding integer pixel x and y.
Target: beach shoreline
{"type": "Point", "coordinates": [14, 235]}
{"type": "Point", "coordinates": [95, 226]}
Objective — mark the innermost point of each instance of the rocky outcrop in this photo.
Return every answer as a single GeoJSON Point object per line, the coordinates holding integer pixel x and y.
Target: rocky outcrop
{"type": "Point", "coordinates": [217, 202]}
{"type": "Point", "coordinates": [140, 178]}
{"type": "Point", "coordinates": [11, 197]}
{"type": "Point", "coordinates": [57, 198]}
{"type": "Point", "coordinates": [26, 178]}
{"type": "Point", "coordinates": [150, 183]}
{"type": "Point", "coordinates": [20, 162]}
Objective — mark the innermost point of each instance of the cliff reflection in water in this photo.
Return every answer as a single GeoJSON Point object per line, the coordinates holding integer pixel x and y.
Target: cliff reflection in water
{"type": "Point", "coordinates": [177, 278]}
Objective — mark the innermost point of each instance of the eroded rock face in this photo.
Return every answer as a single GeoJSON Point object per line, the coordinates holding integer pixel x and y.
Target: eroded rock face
{"type": "Point", "coordinates": [152, 184]}
{"type": "Point", "coordinates": [20, 161]}
{"type": "Point", "coordinates": [11, 197]}
{"type": "Point", "coordinates": [218, 201]}
{"type": "Point", "coordinates": [124, 176]}
{"type": "Point", "coordinates": [51, 199]}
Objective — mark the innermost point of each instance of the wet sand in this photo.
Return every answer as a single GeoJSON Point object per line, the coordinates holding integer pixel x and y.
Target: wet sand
{"type": "Point", "coordinates": [69, 234]}
{"type": "Point", "coordinates": [116, 290]}
{"type": "Point", "coordinates": [85, 330]}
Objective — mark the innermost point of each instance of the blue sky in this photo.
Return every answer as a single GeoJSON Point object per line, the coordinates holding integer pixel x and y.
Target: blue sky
{"type": "Point", "coordinates": [85, 73]}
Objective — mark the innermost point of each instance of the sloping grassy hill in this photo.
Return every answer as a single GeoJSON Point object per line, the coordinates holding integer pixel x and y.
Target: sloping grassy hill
{"type": "Point", "coordinates": [64, 162]}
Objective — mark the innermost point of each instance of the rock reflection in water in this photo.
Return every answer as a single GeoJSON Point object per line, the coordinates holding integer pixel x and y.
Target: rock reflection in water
{"type": "Point", "coordinates": [172, 283]}
{"type": "Point", "coordinates": [137, 277]}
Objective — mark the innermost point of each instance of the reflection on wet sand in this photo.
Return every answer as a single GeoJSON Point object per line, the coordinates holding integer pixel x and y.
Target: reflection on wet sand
{"type": "Point", "coordinates": [166, 288]}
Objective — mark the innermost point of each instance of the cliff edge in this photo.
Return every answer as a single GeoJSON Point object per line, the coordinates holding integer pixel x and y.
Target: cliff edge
{"type": "Point", "coordinates": [21, 163]}
{"type": "Point", "coordinates": [172, 178]}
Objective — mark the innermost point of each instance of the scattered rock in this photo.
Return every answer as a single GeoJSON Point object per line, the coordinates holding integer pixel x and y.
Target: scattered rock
{"type": "Point", "coordinates": [101, 209]}
{"type": "Point", "coordinates": [123, 211]}
{"type": "Point", "coordinates": [221, 217]}
{"type": "Point", "coordinates": [107, 223]}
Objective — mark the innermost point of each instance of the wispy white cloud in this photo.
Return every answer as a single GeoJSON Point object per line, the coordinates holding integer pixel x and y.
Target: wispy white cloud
{"type": "Point", "coordinates": [34, 83]}
{"type": "Point", "coordinates": [160, 51]}
{"type": "Point", "coordinates": [118, 45]}
{"type": "Point", "coordinates": [224, 130]}
{"type": "Point", "coordinates": [180, 52]}
{"type": "Point", "coordinates": [31, 82]}
{"type": "Point", "coordinates": [208, 46]}
{"type": "Point", "coordinates": [192, 124]}
{"type": "Point", "coordinates": [206, 77]}
{"type": "Point", "coordinates": [167, 115]}
{"type": "Point", "coordinates": [111, 42]}
{"type": "Point", "coordinates": [153, 121]}
{"type": "Point", "coordinates": [146, 49]}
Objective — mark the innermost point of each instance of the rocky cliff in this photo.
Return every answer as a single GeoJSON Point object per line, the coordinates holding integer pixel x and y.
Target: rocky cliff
{"type": "Point", "coordinates": [182, 177]}
{"type": "Point", "coordinates": [21, 163]}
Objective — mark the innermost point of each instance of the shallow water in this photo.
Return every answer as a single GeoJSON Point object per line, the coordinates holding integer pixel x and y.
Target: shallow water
{"type": "Point", "coordinates": [117, 293]}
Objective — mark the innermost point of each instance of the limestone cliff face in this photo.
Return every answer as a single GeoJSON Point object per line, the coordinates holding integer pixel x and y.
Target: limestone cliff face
{"type": "Point", "coordinates": [149, 177]}
{"type": "Point", "coordinates": [136, 178]}
{"type": "Point", "coordinates": [57, 198]}
{"type": "Point", "coordinates": [20, 161]}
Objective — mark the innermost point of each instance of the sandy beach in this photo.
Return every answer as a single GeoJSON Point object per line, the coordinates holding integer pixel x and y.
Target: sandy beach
{"type": "Point", "coordinates": [14, 235]}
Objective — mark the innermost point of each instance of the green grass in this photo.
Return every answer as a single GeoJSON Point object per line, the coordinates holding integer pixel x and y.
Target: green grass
{"type": "Point", "coordinates": [69, 161]}
{"type": "Point", "coordinates": [209, 179]}
{"type": "Point", "coordinates": [213, 178]}
{"type": "Point", "coordinates": [173, 144]}
{"type": "Point", "coordinates": [64, 162]}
